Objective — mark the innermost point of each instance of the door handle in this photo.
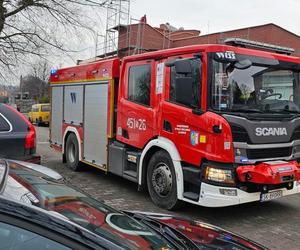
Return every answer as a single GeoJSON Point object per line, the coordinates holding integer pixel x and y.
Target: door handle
{"type": "Point", "coordinates": [125, 133]}
{"type": "Point", "coordinates": [167, 126]}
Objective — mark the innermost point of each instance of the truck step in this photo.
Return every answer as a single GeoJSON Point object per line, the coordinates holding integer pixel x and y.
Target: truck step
{"type": "Point", "coordinates": [130, 175]}
{"type": "Point", "coordinates": [191, 196]}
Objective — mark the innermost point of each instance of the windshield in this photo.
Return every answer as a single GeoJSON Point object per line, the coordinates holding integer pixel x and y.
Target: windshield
{"type": "Point", "coordinates": [45, 108]}
{"type": "Point", "coordinates": [40, 190]}
{"type": "Point", "coordinates": [262, 87]}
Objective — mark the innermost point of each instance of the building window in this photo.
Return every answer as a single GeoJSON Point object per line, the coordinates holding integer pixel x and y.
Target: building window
{"type": "Point", "coordinates": [139, 84]}
{"type": "Point", "coordinates": [196, 75]}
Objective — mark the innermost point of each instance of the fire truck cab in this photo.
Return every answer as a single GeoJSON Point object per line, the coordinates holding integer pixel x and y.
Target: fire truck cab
{"type": "Point", "coordinates": [213, 125]}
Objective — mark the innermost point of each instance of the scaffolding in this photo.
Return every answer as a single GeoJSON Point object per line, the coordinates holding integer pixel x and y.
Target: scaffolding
{"type": "Point", "coordinates": [117, 17]}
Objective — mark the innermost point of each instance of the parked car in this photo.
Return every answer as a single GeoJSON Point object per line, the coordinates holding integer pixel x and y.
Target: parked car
{"type": "Point", "coordinates": [25, 227]}
{"type": "Point", "coordinates": [40, 114]}
{"type": "Point", "coordinates": [17, 136]}
{"type": "Point", "coordinates": [44, 188]}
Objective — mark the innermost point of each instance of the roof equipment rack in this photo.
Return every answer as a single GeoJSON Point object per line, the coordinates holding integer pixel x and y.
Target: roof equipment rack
{"type": "Point", "coordinates": [258, 45]}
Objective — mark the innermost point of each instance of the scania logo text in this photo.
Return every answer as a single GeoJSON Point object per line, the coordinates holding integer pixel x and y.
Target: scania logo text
{"type": "Point", "coordinates": [270, 131]}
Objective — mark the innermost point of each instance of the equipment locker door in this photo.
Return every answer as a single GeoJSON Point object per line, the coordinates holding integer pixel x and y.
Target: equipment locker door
{"type": "Point", "coordinates": [56, 115]}
{"type": "Point", "coordinates": [95, 123]}
{"type": "Point", "coordinates": [73, 98]}
{"type": "Point", "coordinates": [136, 114]}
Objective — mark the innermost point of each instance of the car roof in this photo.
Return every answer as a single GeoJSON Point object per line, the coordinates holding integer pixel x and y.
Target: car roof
{"type": "Point", "coordinates": [38, 168]}
{"type": "Point", "coordinates": [54, 222]}
{"type": "Point", "coordinates": [40, 104]}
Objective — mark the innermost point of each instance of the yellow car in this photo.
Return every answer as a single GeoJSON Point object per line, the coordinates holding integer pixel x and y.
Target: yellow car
{"type": "Point", "coordinates": [40, 113]}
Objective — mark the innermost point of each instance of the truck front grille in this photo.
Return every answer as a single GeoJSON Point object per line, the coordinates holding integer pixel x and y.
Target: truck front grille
{"type": "Point", "coordinates": [239, 134]}
{"type": "Point", "coordinates": [266, 153]}
{"type": "Point", "coordinates": [296, 134]}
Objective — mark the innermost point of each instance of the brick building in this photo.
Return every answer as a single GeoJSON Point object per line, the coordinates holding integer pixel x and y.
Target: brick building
{"type": "Point", "coordinates": [142, 37]}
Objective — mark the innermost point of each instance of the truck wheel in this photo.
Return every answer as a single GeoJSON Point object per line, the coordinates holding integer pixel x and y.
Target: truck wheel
{"type": "Point", "coordinates": [161, 181]}
{"type": "Point", "coordinates": [72, 153]}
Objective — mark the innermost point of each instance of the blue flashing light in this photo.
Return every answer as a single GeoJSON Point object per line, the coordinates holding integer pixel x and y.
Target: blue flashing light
{"type": "Point", "coordinates": [244, 160]}
{"type": "Point", "coordinates": [53, 71]}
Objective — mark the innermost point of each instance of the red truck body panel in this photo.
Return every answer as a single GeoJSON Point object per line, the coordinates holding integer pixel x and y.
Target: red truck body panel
{"type": "Point", "coordinates": [106, 69]}
{"type": "Point", "coordinates": [199, 138]}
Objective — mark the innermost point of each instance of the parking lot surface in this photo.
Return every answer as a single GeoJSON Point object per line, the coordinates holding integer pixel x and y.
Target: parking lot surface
{"type": "Point", "coordinates": [274, 224]}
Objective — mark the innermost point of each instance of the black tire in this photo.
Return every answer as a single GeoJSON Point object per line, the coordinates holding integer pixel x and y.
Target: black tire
{"type": "Point", "coordinates": [161, 181]}
{"type": "Point", "coordinates": [72, 153]}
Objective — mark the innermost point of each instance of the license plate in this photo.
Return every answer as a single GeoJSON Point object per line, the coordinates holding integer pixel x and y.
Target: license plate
{"type": "Point", "coordinates": [271, 196]}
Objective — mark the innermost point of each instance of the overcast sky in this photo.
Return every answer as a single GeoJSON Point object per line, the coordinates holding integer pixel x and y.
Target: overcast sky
{"type": "Point", "coordinates": [208, 16]}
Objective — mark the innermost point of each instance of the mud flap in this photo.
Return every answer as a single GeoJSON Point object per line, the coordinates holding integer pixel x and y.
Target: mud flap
{"type": "Point", "coordinates": [272, 172]}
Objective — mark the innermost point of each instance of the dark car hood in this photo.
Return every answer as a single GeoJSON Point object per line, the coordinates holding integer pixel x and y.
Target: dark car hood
{"type": "Point", "coordinates": [204, 235]}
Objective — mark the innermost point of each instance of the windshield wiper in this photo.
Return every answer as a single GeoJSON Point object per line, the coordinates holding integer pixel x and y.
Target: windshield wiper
{"type": "Point", "coordinates": [282, 111]}
{"type": "Point", "coordinates": [174, 236]}
{"type": "Point", "coordinates": [293, 114]}
{"type": "Point", "coordinates": [246, 110]}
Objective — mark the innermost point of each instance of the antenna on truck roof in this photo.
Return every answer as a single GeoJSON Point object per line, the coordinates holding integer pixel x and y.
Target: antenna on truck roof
{"type": "Point", "coordinates": [258, 45]}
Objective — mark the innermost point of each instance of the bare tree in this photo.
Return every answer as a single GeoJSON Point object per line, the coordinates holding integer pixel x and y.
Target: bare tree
{"type": "Point", "coordinates": [41, 69]}
{"type": "Point", "coordinates": [36, 27]}
{"type": "Point", "coordinates": [34, 86]}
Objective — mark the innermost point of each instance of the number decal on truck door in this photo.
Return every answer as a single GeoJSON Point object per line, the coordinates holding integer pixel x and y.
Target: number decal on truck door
{"type": "Point", "coordinates": [139, 124]}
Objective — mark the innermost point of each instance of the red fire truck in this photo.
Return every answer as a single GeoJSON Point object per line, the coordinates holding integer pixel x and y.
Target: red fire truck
{"type": "Point", "coordinates": [213, 125]}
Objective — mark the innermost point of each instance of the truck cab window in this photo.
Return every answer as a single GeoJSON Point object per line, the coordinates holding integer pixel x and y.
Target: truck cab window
{"type": "Point", "coordinates": [196, 76]}
{"type": "Point", "coordinates": [139, 84]}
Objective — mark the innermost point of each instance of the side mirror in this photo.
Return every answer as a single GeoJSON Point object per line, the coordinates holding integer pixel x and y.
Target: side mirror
{"type": "Point", "coordinates": [184, 90]}
{"type": "Point", "coordinates": [243, 64]}
{"type": "Point", "coordinates": [182, 66]}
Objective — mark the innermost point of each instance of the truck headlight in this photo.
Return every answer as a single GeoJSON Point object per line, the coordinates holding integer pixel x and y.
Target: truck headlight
{"type": "Point", "coordinates": [219, 175]}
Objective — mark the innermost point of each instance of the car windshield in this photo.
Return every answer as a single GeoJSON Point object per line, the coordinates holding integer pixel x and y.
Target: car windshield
{"type": "Point", "coordinates": [265, 86]}
{"type": "Point", "coordinates": [35, 188]}
{"type": "Point", "coordinates": [45, 108]}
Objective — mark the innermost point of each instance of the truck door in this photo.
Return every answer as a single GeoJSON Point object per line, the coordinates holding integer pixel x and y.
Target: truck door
{"type": "Point", "coordinates": [136, 113]}
{"type": "Point", "coordinates": [181, 111]}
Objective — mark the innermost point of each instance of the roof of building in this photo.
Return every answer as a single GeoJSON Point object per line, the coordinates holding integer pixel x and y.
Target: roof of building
{"type": "Point", "coordinates": [253, 27]}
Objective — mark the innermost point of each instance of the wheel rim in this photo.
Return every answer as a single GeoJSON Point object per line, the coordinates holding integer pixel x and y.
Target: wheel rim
{"type": "Point", "coordinates": [162, 179]}
{"type": "Point", "coordinates": [71, 152]}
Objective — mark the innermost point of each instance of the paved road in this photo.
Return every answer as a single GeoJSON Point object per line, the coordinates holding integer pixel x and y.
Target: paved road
{"type": "Point", "coordinates": [274, 224]}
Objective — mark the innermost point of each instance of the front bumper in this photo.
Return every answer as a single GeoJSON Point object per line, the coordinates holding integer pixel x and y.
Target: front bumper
{"type": "Point", "coordinates": [211, 195]}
